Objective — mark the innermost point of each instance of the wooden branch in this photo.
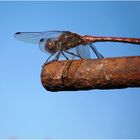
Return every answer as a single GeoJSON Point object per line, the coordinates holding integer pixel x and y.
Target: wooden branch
{"type": "Point", "coordinates": [83, 74]}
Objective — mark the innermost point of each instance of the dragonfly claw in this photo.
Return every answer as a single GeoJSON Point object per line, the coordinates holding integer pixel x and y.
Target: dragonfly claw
{"type": "Point", "coordinates": [46, 63]}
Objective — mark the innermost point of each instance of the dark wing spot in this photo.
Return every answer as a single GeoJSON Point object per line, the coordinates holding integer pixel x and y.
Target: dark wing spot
{"type": "Point", "coordinates": [17, 33]}
{"type": "Point", "coordinates": [41, 40]}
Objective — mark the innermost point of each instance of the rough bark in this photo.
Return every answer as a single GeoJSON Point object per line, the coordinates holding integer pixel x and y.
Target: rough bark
{"type": "Point", "coordinates": [84, 74]}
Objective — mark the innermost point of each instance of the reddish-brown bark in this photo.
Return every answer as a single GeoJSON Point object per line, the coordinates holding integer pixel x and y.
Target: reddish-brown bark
{"type": "Point", "coordinates": [84, 74]}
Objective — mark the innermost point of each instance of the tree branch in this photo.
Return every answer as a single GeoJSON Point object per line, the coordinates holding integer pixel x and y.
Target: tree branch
{"type": "Point", "coordinates": [84, 74]}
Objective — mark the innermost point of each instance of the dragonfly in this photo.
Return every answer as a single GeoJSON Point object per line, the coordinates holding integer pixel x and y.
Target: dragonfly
{"type": "Point", "coordinates": [60, 43]}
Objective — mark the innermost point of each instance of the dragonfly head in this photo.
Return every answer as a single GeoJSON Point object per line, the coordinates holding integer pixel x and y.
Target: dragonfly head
{"type": "Point", "coordinates": [50, 45]}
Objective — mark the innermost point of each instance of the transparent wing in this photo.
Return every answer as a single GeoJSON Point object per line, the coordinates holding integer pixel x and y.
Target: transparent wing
{"type": "Point", "coordinates": [70, 56]}
{"type": "Point", "coordinates": [95, 51]}
{"type": "Point", "coordinates": [42, 44]}
{"type": "Point", "coordinates": [35, 37]}
{"type": "Point", "coordinates": [83, 51]}
{"type": "Point", "coordinates": [78, 52]}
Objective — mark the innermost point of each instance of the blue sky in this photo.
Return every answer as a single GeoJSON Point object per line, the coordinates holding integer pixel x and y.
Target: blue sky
{"type": "Point", "coordinates": [28, 110]}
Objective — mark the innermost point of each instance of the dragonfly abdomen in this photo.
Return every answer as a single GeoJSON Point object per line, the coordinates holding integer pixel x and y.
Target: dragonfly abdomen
{"type": "Point", "coordinates": [92, 39]}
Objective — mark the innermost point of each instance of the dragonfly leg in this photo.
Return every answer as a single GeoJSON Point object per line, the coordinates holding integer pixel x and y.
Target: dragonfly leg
{"type": "Point", "coordinates": [73, 54]}
{"type": "Point", "coordinates": [64, 55]}
{"type": "Point", "coordinates": [47, 61]}
{"type": "Point", "coordinates": [57, 56]}
{"type": "Point", "coordinates": [95, 51]}
{"type": "Point", "coordinates": [49, 57]}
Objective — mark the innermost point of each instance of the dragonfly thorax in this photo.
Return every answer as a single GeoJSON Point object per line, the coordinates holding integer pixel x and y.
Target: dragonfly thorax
{"type": "Point", "coordinates": [69, 40]}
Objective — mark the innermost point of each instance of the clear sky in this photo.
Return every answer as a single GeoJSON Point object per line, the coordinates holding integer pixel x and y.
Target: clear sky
{"type": "Point", "coordinates": [28, 110]}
